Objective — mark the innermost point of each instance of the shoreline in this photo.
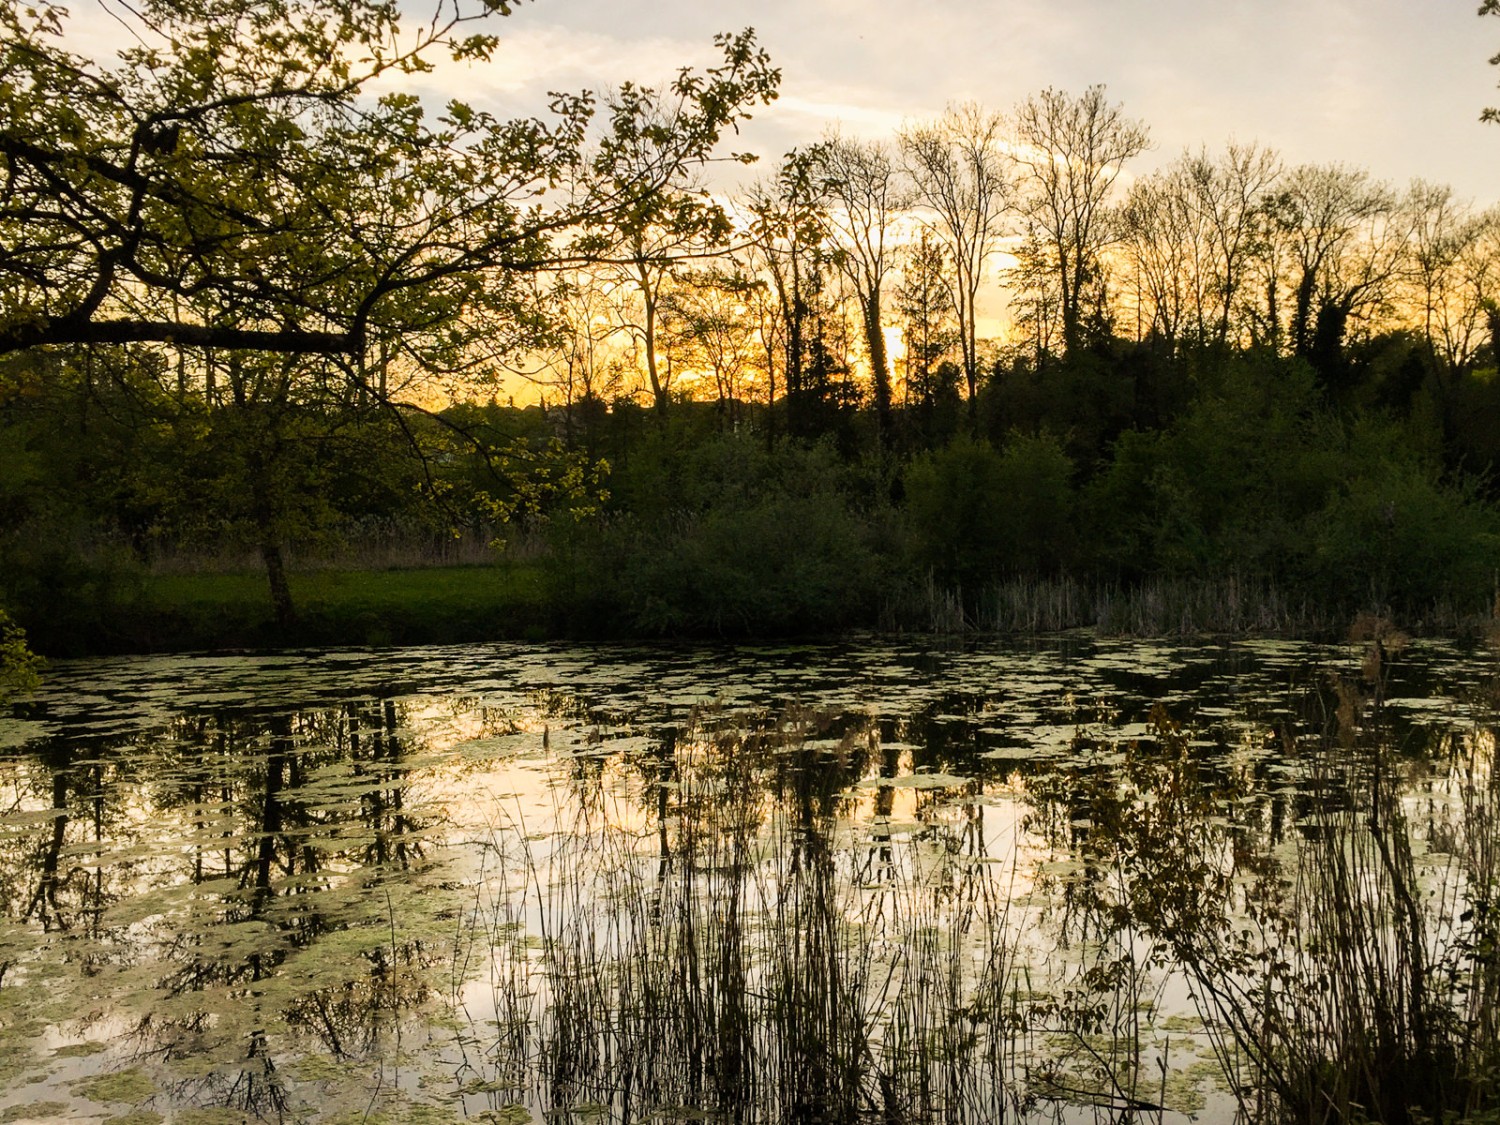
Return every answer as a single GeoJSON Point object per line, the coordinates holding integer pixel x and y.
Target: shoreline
{"type": "Point", "coordinates": [398, 607]}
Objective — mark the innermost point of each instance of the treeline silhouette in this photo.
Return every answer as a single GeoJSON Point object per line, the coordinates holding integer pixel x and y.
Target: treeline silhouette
{"type": "Point", "coordinates": [779, 414]}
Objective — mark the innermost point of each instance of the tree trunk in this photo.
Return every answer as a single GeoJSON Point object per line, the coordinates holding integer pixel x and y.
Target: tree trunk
{"type": "Point", "coordinates": [658, 392]}
{"type": "Point", "coordinates": [1068, 299]}
{"type": "Point", "coordinates": [1302, 314]}
{"type": "Point", "coordinates": [282, 608]}
{"type": "Point", "coordinates": [880, 375]}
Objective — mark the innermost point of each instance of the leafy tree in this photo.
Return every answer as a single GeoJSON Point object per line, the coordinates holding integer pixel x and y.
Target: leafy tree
{"type": "Point", "coordinates": [239, 179]}
{"type": "Point", "coordinates": [658, 229]}
{"type": "Point", "coordinates": [730, 537]}
{"type": "Point", "coordinates": [980, 512]}
{"type": "Point", "coordinates": [930, 332]}
{"type": "Point", "coordinates": [243, 183]}
{"type": "Point", "coordinates": [19, 668]}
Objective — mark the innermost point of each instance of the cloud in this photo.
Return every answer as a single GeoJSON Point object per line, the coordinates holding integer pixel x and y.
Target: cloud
{"type": "Point", "coordinates": [1391, 85]}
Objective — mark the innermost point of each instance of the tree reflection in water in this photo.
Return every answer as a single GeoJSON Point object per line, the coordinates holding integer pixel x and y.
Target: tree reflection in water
{"type": "Point", "coordinates": [432, 905]}
{"type": "Point", "coordinates": [245, 887]}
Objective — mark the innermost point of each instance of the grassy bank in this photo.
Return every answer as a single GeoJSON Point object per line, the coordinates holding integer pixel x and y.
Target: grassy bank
{"type": "Point", "coordinates": [525, 600]}
{"type": "Point", "coordinates": [178, 612]}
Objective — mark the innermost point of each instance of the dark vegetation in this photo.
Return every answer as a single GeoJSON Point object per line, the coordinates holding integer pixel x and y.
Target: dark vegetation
{"type": "Point", "coordinates": [238, 281]}
{"type": "Point", "coordinates": [137, 519]}
{"type": "Point", "coordinates": [798, 918]}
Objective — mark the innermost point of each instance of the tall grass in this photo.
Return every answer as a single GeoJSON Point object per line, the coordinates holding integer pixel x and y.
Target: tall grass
{"type": "Point", "coordinates": [724, 936]}
{"type": "Point", "coordinates": [743, 954]}
{"type": "Point", "coordinates": [1349, 969]}
{"type": "Point", "coordinates": [1152, 607]}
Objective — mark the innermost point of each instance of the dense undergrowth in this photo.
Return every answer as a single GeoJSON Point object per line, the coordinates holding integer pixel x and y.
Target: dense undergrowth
{"type": "Point", "coordinates": [1255, 497]}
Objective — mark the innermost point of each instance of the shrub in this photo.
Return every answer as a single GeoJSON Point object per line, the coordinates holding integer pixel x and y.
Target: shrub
{"type": "Point", "coordinates": [977, 512]}
{"type": "Point", "coordinates": [729, 537]}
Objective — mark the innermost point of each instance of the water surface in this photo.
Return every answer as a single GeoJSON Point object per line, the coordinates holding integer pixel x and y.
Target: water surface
{"type": "Point", "coordinates": [509, 882]}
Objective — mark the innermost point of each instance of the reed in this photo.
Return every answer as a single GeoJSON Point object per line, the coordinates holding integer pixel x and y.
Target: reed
{"type": "Point", "coordinates": [1153, 607]}
{"type": "Point", "coordinates": [1348, 969]}
{"type": "Point", "coordinates": [749, 955]}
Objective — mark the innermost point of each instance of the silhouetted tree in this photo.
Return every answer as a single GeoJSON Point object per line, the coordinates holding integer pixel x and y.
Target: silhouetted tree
{"type": "Point", "coordinates": [958, 165]}
{"type": "Point", "coordinates": [1070, 151]}
{"type": "Point", "coordinates": [864, 184]}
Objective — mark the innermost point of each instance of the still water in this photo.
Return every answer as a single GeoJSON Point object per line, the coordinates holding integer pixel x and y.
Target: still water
{"type": "Point", "coordinates": [871, 881]}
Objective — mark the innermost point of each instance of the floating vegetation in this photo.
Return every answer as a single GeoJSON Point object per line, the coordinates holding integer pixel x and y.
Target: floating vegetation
{"type": "Point", "coordinates": [850, 883]}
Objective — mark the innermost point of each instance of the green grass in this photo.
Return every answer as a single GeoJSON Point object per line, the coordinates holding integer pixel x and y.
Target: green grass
{"type": "Point", "coordinates": [416, 606]}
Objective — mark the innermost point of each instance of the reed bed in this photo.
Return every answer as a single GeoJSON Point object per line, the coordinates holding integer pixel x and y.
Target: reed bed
{"type": "Point", "coordinates": [723, 936]}
{"type": "Point", "coordinates": [1152, 608]}
{"type": "Point", "coordinates": [750, 954]}
{"type": "Point", "coordinates": [1346, 965]}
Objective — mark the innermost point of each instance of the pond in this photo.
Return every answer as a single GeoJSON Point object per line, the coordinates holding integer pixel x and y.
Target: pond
{"type": "Point", "coordinates": [1073, 879]}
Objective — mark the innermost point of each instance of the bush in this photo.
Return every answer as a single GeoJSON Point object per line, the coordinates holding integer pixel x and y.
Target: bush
{"type": "Point", "coordinates": [1399, 537]}
{"type": "Point", "coordinates": [726, 538]}
{"type": "Point", "coordinates": [977, 512]}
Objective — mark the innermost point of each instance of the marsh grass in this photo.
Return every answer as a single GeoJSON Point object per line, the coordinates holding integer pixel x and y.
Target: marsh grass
{"type": "Point", "coordinates": [749, 952]}
{"type": "Point", "coordinates": [1154, 607]}
{"type": "Point", "coordinates": [1346, 967]}
{"type": "Point", "coordinates": [1392, 982]}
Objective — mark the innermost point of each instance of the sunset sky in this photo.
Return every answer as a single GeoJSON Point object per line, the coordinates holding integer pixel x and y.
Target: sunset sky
{"type": "Point", "coordinates": [1395, 86]}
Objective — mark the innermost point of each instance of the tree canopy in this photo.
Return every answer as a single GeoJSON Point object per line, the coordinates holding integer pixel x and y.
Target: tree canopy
{"type": "Point", "coordinates": [258, 176]}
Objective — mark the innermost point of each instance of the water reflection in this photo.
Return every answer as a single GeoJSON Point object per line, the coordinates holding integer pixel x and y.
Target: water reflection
{"type": "Point", "coordinates": [843, 884]}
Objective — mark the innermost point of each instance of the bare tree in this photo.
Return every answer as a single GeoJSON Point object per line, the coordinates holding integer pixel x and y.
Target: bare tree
{"type": "Point", "coordinates": [788, 234]}
{"type": "Point", "coordinates": [1071, 151]}
{"type": "Point", "coordinates": [1337, 232]}
{"type": "Point", "coordinates": [581, 358]}
{"type": "Point", "coordinates": [1190, 230]}
{"type": "Point", "coordinates": [1164, 243]}
{"type": "Point", "coordinates": [706, 321]}
{"type": "Point", "coordinates": [1471, 315]}
{"type": "Point", "coordinates": [958, 166]}
{"type": "Point", "coordinates": [865, 188]}
{"type": "Point", "coordinates": [1229, 195]}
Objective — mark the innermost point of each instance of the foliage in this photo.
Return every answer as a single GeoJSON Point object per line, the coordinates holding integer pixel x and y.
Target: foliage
{"type": "Point", "coordinates": [1408, 538]}
{"type": "Point", "coordinates": [242, 179]}
{"type": "Point", "coordinates": [1226, 485]}
{"type": "Point", "coordinates": [20, 668]}
{"type": "Point", "coordinates": [980, 513]}
{"type": "Point", "coordinates": [729, 539]}
{"type": "Point", "coordinates": [1347, 979]}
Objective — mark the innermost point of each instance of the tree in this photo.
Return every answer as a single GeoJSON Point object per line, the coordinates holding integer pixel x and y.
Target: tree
{"type": "Point", "coordinates": [1070, 152]}
{"type": "Point", "coordinates": [18, 667]}
{"type": "Point", "coordinates": [960, 174]}
{"type": "Point", "coordinates": [647, 239]}
{"type": "Point", "coordinates": [788, 231]}
{"type": "Point", "coordinates": [1163, 241]}
{"type": "Point", "coordinates": [581, 361]}
{"type": "Point", "coordinates": [1490, 8]}
{"type": "Point", "coordinates": [240, 181]}
{"type": "Point", "coordinates": [1190, 230]}
{"type": "Point", "coordinates": [1453, 269]}
{"type": "Point", "coordinates": [707, 323]}
{"type": "Point", "coordinates": [863, 182]}
{"type": "Point", "coordinates": [928, 329]}
{"type": "Point", "coordinates": [1341, 234]}
{"type": "Point", "coordinates": [244, 182]}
